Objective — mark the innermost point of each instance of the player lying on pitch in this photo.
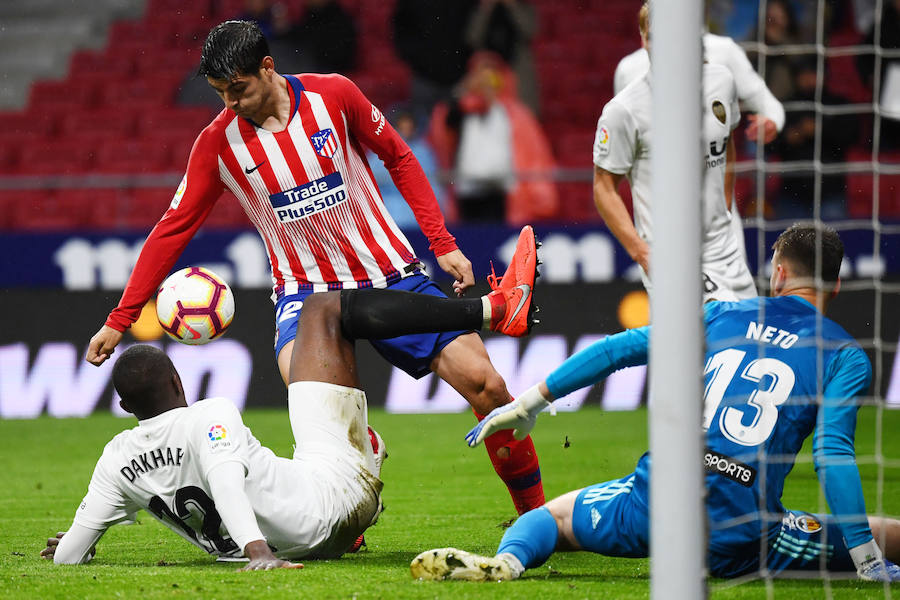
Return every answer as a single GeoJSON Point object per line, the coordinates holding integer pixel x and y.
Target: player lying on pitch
{"type": "Point", "coordinates": [200, 471]}
{"type": "Point", "coordinates": [762, 401]}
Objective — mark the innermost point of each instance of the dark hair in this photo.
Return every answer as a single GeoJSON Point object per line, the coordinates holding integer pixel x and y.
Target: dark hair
{"type": "Point", "coordinates": [233, 48]}
{"type": "Point", "coordinates": [139, 375]}
{"type": "Point", "coordinates": [798, 243]}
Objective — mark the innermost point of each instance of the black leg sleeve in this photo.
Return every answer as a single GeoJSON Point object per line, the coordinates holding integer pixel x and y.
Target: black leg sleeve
{"type": "Point", "coordinates": [378, 314]}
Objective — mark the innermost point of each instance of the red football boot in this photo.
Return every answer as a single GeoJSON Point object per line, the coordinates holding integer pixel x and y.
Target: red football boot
{"type": "Point", "coordinates": [512, 310]}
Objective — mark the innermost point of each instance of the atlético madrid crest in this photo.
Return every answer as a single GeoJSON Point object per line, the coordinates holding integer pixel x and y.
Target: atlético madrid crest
{"type": "Point", "coordinates": [324, 142]}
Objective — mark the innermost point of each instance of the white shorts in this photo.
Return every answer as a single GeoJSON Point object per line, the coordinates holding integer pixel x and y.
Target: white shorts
{"type": "Point", "coordinates": [330, 426]}
{"type": "Point", "coordinates": [726, 281]}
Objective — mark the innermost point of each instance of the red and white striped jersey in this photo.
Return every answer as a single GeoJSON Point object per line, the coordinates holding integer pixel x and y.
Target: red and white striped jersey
{"type": "Point", "coordinates": [308, 190]}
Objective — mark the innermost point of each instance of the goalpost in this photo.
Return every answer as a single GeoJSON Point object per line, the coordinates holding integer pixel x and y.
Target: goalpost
{"type": "Point", "coordinates": [677, 518]}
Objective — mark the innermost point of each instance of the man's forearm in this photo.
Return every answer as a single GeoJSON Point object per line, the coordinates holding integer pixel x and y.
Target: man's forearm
{"type": "Point", "coordinates": [226, 482]}
{"type": "Point", "coordinates": [612, 209]}
{"type": "Point", "coordinates": [77, 546]}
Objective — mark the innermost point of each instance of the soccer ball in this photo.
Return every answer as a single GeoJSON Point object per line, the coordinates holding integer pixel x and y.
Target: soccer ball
{"type": "Point", "coordinates": [194, 305]}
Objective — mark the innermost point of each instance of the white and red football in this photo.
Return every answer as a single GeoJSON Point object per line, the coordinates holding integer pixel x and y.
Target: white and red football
{"type": "Point", "coordinates": [194, 306]}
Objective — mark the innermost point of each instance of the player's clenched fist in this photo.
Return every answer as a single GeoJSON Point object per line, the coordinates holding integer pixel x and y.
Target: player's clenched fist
{"type": "Point", "coordinates": [102, 345]}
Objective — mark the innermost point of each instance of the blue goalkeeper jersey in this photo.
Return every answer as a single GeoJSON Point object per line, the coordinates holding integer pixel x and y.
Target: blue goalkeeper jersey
{"type": "Point", "coordinates": [776, 371]}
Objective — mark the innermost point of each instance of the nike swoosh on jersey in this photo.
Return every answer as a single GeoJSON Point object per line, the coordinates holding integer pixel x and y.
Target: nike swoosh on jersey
{"type": "Point", "coordinates": [526, 293]}
{"type": "Point", "coordinates": [248, 170]}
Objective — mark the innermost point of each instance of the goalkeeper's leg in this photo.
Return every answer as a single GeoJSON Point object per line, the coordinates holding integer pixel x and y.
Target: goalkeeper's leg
{"type": "Point", "coordinates": [603, 518]}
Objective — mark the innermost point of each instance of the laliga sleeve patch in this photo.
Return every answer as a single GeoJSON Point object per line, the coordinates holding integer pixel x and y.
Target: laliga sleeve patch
{"type": "Point", "coordinates": [218, 438]}
{"type": "Point", "coordinates": [179, 193]}
{"type": "Point", "coordinates": [601, 143]}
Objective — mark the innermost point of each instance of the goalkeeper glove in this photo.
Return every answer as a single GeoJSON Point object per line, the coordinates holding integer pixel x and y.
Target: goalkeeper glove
{"type": "Point", "coordinates": [519, 415]}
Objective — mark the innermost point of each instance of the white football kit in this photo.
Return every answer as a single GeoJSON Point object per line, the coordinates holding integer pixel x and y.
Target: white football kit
{"type": "Point", "coordinates": [314, 505]}
{"type": "Point", "coordinates": [719, 50]}
{"type": "Point", "coordinates": [621, 146]}
{"type": "Point", "coordinates": [751, 88]}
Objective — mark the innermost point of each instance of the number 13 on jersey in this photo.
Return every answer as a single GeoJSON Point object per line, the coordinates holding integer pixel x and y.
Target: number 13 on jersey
{"type": "Point", "coordinates": [764, 401]}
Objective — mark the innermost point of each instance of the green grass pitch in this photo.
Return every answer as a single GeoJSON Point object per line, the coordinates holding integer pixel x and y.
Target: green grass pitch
{"type": "Point", "coordinates": [437, 493]}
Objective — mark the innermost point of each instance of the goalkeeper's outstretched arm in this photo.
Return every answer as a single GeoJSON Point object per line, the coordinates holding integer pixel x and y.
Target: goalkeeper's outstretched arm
{"type": "Point", "coordinates": [587, 367]}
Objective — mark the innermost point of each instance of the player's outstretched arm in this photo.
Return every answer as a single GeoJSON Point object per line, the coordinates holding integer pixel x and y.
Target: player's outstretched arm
{"type": "Point", "coordinates": [102, 345]}
{"type": "Point", "coordinates": [587, 367]}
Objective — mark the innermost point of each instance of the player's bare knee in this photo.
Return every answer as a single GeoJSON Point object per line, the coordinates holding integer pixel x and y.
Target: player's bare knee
{"type": "Point", "coordinates": [562, 508]}
{"type": "Point", "coordinates": [323, 308]}
{"type": "Point", "coordinates": [494, 389]}
{"type": "Point", "coordinates": [487, 391]}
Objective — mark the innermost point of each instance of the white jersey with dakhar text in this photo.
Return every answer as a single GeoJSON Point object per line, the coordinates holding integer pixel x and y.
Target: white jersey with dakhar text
{"type": "Point", "coordinates": [162, 466]}
{"type": "Point", "coordinates": [720, 50]}
{"type": "Point", "coordinates": [622, 146]}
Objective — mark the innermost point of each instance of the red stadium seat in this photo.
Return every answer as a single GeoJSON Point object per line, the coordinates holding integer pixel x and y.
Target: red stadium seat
{"type": "Point", "coordinates": [78, 93]}
{"type": "Point", "coordinates": [9, 159]}
{"type": "Point", "coordinates": [93, 62]}
{"type": "Point", "coordinates": [89, 125]}
{"type": "Point", "coordinates": [99, 204]}
{"type": "Point", "coordinates": [56, 157]}
{"type": "Point", "coordinates": [177, 146]}
{"type": "Point", "coordinates": [11, 200]}
{"type": "Point", "coordinates": [179, 62]}
{"type": "Point", "coordinates": [51, 211]}
{"type": "Point", "coordinates": [143, 207]}
{"type": "Point", "coordinates": [132, 156]}
{"type": "Point", "coordinates": [17, 128]}
{"type": "Point", "coordinates": [227, 214]}
{"type": "Point", "coordinates": [142, 93]}
{"type": "Point", "coordinates": [861, 187]}
{"type": "Point", "coordinates": [577, 203]}
{"type": "Point", "coordinates": [574, 149]}
{"type": "Point", "coordinates": [187, 121]}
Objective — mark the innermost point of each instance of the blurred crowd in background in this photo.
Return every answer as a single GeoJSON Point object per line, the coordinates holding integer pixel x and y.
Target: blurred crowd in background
{"type": "Point", "coordinates": [497, 98]}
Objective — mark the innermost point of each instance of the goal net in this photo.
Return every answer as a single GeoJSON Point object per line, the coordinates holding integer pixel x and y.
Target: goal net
{"type": "Point", "coordinates": [835, 67]}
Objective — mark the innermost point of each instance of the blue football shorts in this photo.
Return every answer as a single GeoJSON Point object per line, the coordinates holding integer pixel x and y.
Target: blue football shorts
{"type": "Point", "coordinates": [412, 353]}
{"type": "Point", "coordinates": [609, 519]}
{"type": "Point", "coordinates": [803, 542]}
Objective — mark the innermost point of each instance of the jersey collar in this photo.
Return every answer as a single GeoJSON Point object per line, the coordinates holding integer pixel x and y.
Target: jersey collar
{"type": "Point", "coordinates": [161, 418]}
{"type": "Point", "coordinates": [294, 89]}
{"type": "Point", "coordinates": [802, 301]}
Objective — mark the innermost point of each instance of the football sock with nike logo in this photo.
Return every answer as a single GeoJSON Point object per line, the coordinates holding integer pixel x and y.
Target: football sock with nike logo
{"type": "Point", "coordinates": [379, 314]}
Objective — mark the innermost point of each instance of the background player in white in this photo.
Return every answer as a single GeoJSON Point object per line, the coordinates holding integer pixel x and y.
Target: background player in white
{"type": "Point", "coordinates": [752, 91]}
{"type": "Point", "coordinates": [290, 148]}
{"type": "Point", "coordinates": [200, 471]}
{"type": "Point", "coordinates": [622, 148]}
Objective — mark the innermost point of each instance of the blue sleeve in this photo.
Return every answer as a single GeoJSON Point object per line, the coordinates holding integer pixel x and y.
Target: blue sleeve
{"type": "Point", "coordinates": [599, 360]}
{"type": "Point", "coordinates": [848, 376]}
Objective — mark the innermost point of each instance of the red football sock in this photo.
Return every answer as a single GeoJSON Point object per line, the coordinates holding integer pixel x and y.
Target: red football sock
{"type": "Point", "coordinates": [516, 463]}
